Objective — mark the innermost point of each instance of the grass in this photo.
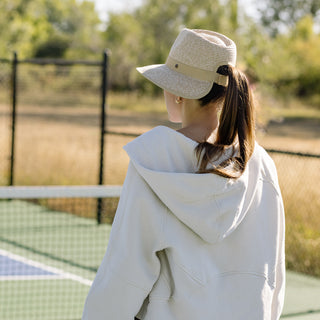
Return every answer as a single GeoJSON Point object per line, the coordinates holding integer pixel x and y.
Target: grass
{"type": "Point", "coordinates": [136, 102]}
{"type": "Point", "coordinates": [299, 185]}
{"type": "Point", "coordinates": [58, 145]}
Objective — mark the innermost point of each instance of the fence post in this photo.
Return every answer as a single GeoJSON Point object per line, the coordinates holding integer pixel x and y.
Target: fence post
{"type": "Point", "coordinates": [13, 115]}
{"type": "Point", "coordinates": [104, 86]}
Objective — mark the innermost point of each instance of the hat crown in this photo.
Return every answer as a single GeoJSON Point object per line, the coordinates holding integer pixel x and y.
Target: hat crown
{"type": "Point", "coordinates": [203, 49]}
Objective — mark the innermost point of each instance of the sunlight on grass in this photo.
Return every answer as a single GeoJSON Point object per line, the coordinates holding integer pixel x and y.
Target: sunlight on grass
{"type": "Point", "coordinates": [299, 179]}
{"type": "Point", "coordinates": [132, 101]}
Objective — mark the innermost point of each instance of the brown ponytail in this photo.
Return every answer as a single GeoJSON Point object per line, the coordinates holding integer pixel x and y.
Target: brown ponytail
{"type": "Point", "coordinates": [236, 122]}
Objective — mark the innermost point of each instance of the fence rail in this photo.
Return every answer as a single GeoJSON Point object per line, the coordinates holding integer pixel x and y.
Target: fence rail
{"type": "Point", "coordinates": [62, 62]}
{"type": "Point", "coordinates": [291, 153]}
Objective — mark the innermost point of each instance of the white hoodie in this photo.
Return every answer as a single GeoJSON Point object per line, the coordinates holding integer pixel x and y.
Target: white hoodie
{"type": "Point", "coordinates": [187, 246]}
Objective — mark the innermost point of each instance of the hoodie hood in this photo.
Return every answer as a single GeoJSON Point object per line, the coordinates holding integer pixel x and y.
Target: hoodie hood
{"type": "Point", "coordinates": [210, 205]}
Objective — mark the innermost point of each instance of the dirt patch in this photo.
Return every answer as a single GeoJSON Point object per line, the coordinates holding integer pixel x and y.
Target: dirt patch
{"type": "Point", "coordinates": [291, 134]}
{"type": "Point", "coordinates": [295, 127]}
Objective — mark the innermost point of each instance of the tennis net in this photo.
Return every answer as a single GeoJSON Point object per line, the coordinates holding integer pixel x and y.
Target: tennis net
{"type": "Point", "coordinates": [51, 247]}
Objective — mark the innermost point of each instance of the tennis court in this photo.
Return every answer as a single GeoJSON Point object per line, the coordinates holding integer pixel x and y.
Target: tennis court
{"type": "Point", "coordinates": [48, 258]}
{"type": "Point", "coordinates": [49, 255]}
{"type": "Point", "coordinates": [302, 300]}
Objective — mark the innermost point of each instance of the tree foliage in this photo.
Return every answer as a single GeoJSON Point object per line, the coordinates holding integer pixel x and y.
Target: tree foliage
{"type": "Point", "coordinates": [280, 15]}
{"type": "Point", "coordinates": [49, 28]}
{"type": "Point", "coordinates": [289, 62]}
{"type": "Point", "coordinates": [280, 50]}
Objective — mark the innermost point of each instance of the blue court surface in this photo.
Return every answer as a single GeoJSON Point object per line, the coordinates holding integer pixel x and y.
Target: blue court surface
{"type": "Point", "coordinates": [10, 267]}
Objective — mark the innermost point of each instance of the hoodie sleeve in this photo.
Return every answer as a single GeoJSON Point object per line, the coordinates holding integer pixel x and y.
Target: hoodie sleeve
{"type": "Point", "coordinates": [280, 272]}
{"type": "Point", "coordinates": [130, 266]}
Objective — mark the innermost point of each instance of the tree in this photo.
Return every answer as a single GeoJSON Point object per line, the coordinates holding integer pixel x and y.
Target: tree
{"type": "Point", "coordinates": [54, 47]}
{"type": "Point", "coordinates": [76, 22]}
{"type": "Point", "coordinates": [288, 63]}
{"type": "Point", "coordinates": [282, 15]}
{"type": "Point", "coordinates": [306, 48]}
{"type": "Point", "coordinates": [22, 25]}
{"type": "Point", "coordinates": [123, 39]}
{"type": "Point", "coordinates": [29, 26]}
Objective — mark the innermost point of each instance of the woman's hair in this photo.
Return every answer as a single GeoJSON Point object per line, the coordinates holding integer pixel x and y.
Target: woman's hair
{"type": "Point", "coordinates": [236, 124]}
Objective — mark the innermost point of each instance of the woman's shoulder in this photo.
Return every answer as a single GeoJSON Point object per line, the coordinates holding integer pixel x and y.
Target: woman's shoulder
{"type": "Point", "coordinates": [267, 165]}
{"type": "Point", "coordinates": [160, 136]}
{"type": "Point", "coordinates": [146, 140]}
{"type": "Point", "coordinates": [162, 132]}
{"type": "Point", "coordinates": [162, 147]}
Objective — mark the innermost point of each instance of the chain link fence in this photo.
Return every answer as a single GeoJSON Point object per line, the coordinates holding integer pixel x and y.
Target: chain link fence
{"type": "Point", "coordinates": [57, 120]}
{"type": "Point", "coordinates": [299, 178]}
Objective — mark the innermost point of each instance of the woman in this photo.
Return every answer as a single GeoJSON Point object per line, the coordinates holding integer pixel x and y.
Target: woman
{"type": "Point", "coordinates": [199, 230]}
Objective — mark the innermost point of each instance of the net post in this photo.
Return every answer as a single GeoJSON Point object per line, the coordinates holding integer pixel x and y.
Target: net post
{"type": "Point", "coordinates": [104, 86]}
{"type": "Point", "coordinates": [13, 115]}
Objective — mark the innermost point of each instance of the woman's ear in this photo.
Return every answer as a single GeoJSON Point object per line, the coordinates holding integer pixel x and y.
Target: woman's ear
{"type": "Point", "coordinates": [174, 107]}
{"type": "Point", "coordinates": [178, 100]}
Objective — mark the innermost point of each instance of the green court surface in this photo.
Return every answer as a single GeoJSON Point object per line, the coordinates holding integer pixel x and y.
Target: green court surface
{"type": "Point", "coordinates": [69, 249]}
{"type": "Point", "coordinates": [302, 301]}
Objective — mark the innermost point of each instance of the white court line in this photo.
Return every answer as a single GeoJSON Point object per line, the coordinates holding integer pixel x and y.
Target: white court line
{"type": "Point", "coordinates": [61, 274]}
{"type": "Point", "coordinates": [37, 192]}
{"type": "Point", "coordinates": [40, 277]}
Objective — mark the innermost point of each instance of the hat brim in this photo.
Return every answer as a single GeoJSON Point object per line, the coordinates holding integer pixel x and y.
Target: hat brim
{"type": "Point", "coordinates": [174, 82]}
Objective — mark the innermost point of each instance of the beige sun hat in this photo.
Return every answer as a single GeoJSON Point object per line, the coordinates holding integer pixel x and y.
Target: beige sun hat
{"type": "Point", "coordinates": [190, 69]}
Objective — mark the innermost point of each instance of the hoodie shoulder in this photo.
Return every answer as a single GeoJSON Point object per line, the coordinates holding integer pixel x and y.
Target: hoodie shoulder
{"type": "Point", "coordinates": [268, 170]}
{"type": "Point", "coordinates": [163, 149]}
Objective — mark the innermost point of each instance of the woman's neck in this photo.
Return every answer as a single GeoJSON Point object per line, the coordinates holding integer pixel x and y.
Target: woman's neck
{"type": "Point", "coordinates": [198, 133]}
{"type": "Point", "coordinates": [199, 123]}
